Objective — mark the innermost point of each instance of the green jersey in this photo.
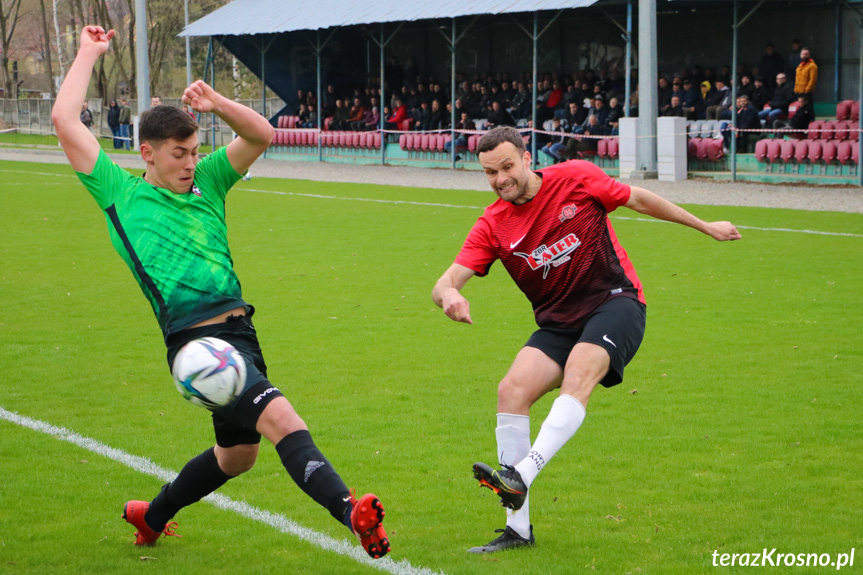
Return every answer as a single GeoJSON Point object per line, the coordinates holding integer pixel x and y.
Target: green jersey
{"type": "Point", "coordinates": [175, 244]}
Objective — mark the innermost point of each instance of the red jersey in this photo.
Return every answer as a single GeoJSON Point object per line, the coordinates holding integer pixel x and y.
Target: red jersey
{"type": "Point", "coordinates": [559, 247]}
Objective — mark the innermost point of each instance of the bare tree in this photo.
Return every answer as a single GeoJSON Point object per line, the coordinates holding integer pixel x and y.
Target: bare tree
{"type": "Point", "coordinates": [46, 43]}
{"type": "Point", "coordinates": [9, 14]}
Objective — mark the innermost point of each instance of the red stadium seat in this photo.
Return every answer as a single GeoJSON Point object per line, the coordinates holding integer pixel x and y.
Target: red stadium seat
{"type": "Point", "coordinates": [843, 151]}
{"type": "Point", "coordinates": [291, 138]}
{"type": "Point", "coordinates": [327, 122]}
{"type": "Point", "coordinates": [364, 141]}
{"type": "Point", "coordinates": [841, 131]}
{"type": "Point", "coordinates": [801, 151]}
{"type": "Point", "coordinates": [293, 121]}
{"type": "Point", "coordinates": [472, 141]}
{"type": "Point", "coordinates": [815, 128]}
{"type": "Point", "coordinates": [701, 150]}
{"type": "Point", "coordinates": [828, 130]}
{"type": "Point", "coordinates": [344, 138]}
{"type": "Point", "coordinates": [403, 141]}
{"type": "Point", "coordinates": [282, 122]}
{"type": "Point", "coordinates": [614, 148]}
{"type": "Point", "coordinates": [774, 151]}
{"type": "Point", "coordinates": [787, 151]}
{"type": "Point", "coordinates": [792, 109]}
{"type": "Point", "coordinates": [855, 110]}
{"type": "Point", "coordinates": [446, 138]}
{"type": "Point", "coordinates": [761, 150]}
{"type": "Point", "coordinates": [440, 141]}
{"type": "Point", "coordinates": [843, 110]}
{"type": "Point", "coordinates": [853, 130]}
{"type": "Point", "coordinates": [713, 148]}
{"type": "Point", "coordinates": [354, 141]}
{"type": "Point", "coordinates": [602, 148]}
{"type": "Point", "coordinates": [815, 150]}
{"type": "Point", "coordinates": [424, 142]}
{"type": "Point", "coordinates": [828, 152]}
{"type": "Point", "coordinates": [406, 124]}
{"type": "Point", "coordinates": [377, 140]}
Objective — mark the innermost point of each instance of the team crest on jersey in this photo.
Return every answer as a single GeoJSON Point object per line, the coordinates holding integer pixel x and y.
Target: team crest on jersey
{"type": "Point", "coordinates": [555, 255]}
{"type": "Point", "coordinates": [196, 190]}
{"type": "Point", "coordinates": [568, 212]}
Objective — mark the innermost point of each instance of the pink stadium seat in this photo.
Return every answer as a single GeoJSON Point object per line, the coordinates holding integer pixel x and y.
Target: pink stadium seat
{"type": "Point", "coordinates": [828, 130]}
{"type": "Point", "coordinates": [702, 148]}
{"type": "Point", "coordinates": [853, 130]}
{"type": "Point", "coordinates": [614, 147]}
{"type": "Point", "coordinates": [472, 141]}
{"type": "Point", "coordinates": [311, 139]}
{"type": "Point", "coordinates": [792, 109]}
{"type": "Point", "coordinates": [424, 142]}
{"type": "Point", "coordinates": [282, 122]}
{"type": "Point", "coordinates": [815, 150]}
{"type": "Point", "coordinates": [344, 139]}
{"type": "Point", "coordinates": [363, 140]}
{"type": "Point", "coordinates": [291, 138]}
{"type": "Point", "coordinates": [843, 152]}
{"type": "Point", "coordinates": [801, 151]}
{"type": "Point", "coordinates": [843, 110]}
{"type": "Point", "coordinates": [855, 110]}
{"type": "Point", "coordinates": [692, 147]}
{"type": "Point", "coordinates": [446, 138]}
{"type": "Point", "coordinates": [403, 141]}
{"type": "Point", "coordinates": [354, 141]}
{"type": "Point", "coordinates": [441, 141]}
{"type": "Point", "coordinates": [377, 140]}
{"type": "Point", "coordinates": [761, 150]}
{"type": "Point", "coordinates": [815, 128]}
{"type": "Point", "coordinates": [841, 131]}
{"type": "Point", "coordinates": [828, 152]}
{"type": "Point", "coordinates": [787, 151]}
{"type": "Point", "coordinates": [405, 125]}
{"type": "Point", "coordinates": [714, 149]}
{"type": "Point", "coordinates": [293, 121]}
{"type": "Point", "coordinates": [327, 122]}
{"type": "Point", "coordinates": [774, 150]}
{"type": "Point", "coordinates": [602, 148]}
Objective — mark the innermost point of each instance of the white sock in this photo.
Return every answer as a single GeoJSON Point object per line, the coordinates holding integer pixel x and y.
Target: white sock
{"type": "Point", "coordinates": [513, 445]}
{"type": "Point", "coordinates": [564, 419]}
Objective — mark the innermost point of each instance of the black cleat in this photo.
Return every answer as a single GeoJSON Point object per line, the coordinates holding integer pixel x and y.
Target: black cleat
{"type": "Point", "coordinates": [506, 483]}
{"type": "Point", "coordinates": [509, 540]}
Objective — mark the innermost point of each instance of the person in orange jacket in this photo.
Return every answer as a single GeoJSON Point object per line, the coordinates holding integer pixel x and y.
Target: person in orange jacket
{"type": "Point", "coordinates": [807, 75]}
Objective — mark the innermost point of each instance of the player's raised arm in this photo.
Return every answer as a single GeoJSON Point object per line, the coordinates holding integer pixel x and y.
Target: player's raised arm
{"type": "Point", "coordinates": [447, 293]}
{"type": "Point", "coordinates": [79, 144]}
{"type": "Point", "coordinates": [254, 132]}
{"type": "Point", "coordinates": [648, 203]}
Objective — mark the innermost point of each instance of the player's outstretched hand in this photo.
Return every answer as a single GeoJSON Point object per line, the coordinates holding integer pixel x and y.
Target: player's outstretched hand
{"type": "Point", "coordinates": [95, 37]}
{"type": "Point", "coordinates": [723, 231]}
{"type": "Point", "coordinates": [457, 309]}
{"type": "Point", "coordinates": [201, 97]}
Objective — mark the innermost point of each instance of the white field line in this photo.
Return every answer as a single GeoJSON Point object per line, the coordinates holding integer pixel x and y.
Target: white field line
{"type": "Point", "coordinates": [431, 204]}
{"type": "Point", "coordinates": [275, 520]}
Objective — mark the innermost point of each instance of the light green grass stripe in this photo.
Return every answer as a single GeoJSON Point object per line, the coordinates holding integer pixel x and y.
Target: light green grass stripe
{"type": "Point", "coordinates": [275, 520]}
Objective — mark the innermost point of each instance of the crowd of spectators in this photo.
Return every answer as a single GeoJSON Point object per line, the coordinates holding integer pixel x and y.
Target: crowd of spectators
{"type": "Point", "coordinates": [584, 103]}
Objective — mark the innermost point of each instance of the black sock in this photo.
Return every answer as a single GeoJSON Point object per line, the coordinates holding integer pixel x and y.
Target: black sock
{"type": "Point", "coordinates": [314, 474]}
{"type": "Point", "coordinates": [200, 477]}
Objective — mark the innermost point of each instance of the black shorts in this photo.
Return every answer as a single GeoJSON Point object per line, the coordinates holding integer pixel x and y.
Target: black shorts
{"type": "Point", "coordinates": [617, 326]}
{"type": "Point", "coordinates": [235, 423]}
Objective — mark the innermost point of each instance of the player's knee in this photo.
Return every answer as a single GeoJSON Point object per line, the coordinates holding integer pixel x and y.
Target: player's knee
{"type": "Point", "coordinates": [238, 459]}
{"type": "Point", "coordinates": [511, 396]}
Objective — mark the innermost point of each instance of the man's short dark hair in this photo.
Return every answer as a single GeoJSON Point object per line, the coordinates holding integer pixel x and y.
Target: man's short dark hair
{"type": "Point", "coordinates": [166, 123]}
{"type": "Point", "coordinates": [497, 136]}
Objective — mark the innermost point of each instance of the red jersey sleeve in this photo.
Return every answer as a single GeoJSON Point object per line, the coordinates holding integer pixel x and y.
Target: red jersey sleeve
{"type": "Point", "coordinates": [606, 190]}
{"type": "Point", "coordinates": [478, 253]}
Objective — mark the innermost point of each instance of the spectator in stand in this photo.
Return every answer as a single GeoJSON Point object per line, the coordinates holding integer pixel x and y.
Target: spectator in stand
{"type": "Point", "coordinates": [556, 145]}
{"type": "Point", "coordinates": [446, 117]}
{"type": "Point", "coordinates": [460, 108]}
{"type": "Point", "coordinates": [506, 94]}
{"type": "Point", "coordinates": [340, 116]}
{"type": "Point", "coordinates": [598, 111]}
{"type": "Point", "coordinates": [437, 115]}
{"type": "Point", "coordinates": [422, 117]}
{"type": "Point", "coordinates": [802, 117]}
{"type": "Point", "coordinates": [125, 124]}
{"type": "Point", "coordinates": [554, 99]}
{"type": "Point", "coordinates": [663, 95]}
{"type": "Point", "coordinates": [677, 89]}
{"type": "Point", "coordinates": [301, 99]}
{"type": "Point", "coordinates": [311, 120]}
{"type": "Point", "coordinates": [438, 94]}
{"type": "Point", "coordinates": [692, 100]}
{"type": "Point", "coordinates": [498, 116]}
{"type": "Point", "coordinates": [86, 116]}
{"type": "Point", "coordinates": [783, 95]}
{"type": "Point", "coordinates": [615, 113]}
{"type": "Point", "coordinates": [576, 147]}
{"type": "Point", "coordinates": [114, 123]}
{"type": "Point", "coordinates": [575, 115]}
{"type": "Point", "coordinates": [806, 75]}
{"type": "Point", "coordinates": [400, 114]}
{"type": "Point", "coordinates": [707, 93]}
{"type": "Point", "coordinates": [328, 105]}
{"type": "Point", "coordinates": [675, 109]}
{"type": "Point", "coordinates": [357, 111]}
{"type": "Point", "coordinates": [464, 123]}
{"type": "Point", "coordinates": [719, 103]}
{"type": "Point", "coordinates": [520, 106]}
{"type": "Point", "coordinates": [771, 64]}
{"type": "Point", "coordinates": [373, 117]}
{"type": "Point", "coordinates": [725, 74]}
{"type": "Point", "coordinates": [311, 101]}
{"type": "Point", "coordinates": [746, 87]}
{"type": "Point", "coordinates": [760, 95]}
{"type": "Point", "coordinates": [793, 57]}
{"type": "Point", "coordinates": [747, 119]}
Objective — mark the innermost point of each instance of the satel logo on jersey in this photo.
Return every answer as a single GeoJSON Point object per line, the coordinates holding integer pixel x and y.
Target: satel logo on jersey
{"type": "Point", "coordinates": [556, 254]}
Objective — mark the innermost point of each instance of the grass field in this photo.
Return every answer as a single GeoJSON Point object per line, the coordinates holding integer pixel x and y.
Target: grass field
{"type": "Point", "coordinates": [738, 427]}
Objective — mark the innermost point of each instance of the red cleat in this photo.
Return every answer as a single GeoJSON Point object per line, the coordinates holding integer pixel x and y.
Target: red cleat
{"type": "Point", "coordinates": [367, 522]}
{"type": "Point", "coordinates": [134, 512]}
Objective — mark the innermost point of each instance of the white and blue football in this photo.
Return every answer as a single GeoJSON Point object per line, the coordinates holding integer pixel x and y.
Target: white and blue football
{"type": "Point", "coordinates": [209, 372]}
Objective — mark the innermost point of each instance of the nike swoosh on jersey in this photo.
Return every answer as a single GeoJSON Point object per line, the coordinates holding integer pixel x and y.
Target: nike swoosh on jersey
{"type": "Point", "coordinates": [605, 337]}
{"type": "Point", "coordinates": [515, 243]}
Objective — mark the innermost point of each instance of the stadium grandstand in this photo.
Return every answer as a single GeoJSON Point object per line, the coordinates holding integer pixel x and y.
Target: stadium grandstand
{"type": "Point", "coordinates": [381, 82]}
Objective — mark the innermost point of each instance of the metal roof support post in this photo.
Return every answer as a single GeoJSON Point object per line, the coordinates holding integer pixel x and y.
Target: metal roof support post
{"type": "Point", "coordinates": [645, 151]}
{"type": "Point", "coordinates": [534, 93]}
{"type": "Point", "coordinates": [860, 120]}
{"type": "Point", "coordinates": [383, 45]}
{"type": "Point", "coordinates": [213, 86]}
{"type": "Point", "coordinates": [452, 99]}
{"type": "Point", "coordinates": [320, 95]}
{"type": "Point", "coordinates": [143, 56]}
{"type": "Point", "coordinates": [263, 84]}
{"type": "Point", "coordinates": [837, 52]}
{"type": "Point", "coordinates": [188, 47]}
{"type": "Point", "coordinates": [626, 105]}
{"type": "Point", "coordinates": [734, 97]}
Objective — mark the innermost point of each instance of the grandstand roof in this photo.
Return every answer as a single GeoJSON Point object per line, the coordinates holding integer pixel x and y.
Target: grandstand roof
{"type": "Point", "coordinates": [242, 17]}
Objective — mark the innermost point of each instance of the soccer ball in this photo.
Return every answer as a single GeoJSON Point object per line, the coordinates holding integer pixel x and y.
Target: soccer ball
{"type": "Point", "coordinates": [209, 372]}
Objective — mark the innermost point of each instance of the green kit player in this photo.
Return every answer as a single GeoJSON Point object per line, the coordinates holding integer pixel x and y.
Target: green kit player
{"type": "Point", "coordinates": [169, 228]}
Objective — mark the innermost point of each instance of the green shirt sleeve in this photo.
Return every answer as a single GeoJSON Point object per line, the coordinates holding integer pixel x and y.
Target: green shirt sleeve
{"type": "Point", "coordinates": [106, 180]}
{"type": "Point", "coordinates": [215, 175]}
